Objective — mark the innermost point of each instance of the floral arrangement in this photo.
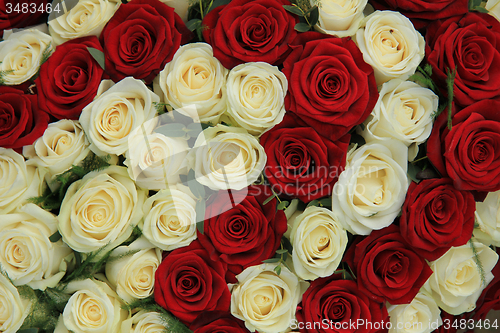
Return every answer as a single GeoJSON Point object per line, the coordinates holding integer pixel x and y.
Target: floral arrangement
{"type": "Point", "coordinates": [249, 166]}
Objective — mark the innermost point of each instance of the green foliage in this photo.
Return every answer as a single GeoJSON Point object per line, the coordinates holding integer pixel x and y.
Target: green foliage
{"type": "Point", "coordinates": [281, 256]}
{"type": "Point", "coordinates": [309, 15]}
{"type": "Point", "coordinates": [160, 107]}
{"type": "Point", "coordinates": [478, 263]}
{"type": "Point", "coordinates": [98, 56]}
{"type": "Point", "coordinates": [43, 312]}
{"type": "Point", "coordinates": [3, 74]}
{"type": "Point", "coordinates": [450, 82]}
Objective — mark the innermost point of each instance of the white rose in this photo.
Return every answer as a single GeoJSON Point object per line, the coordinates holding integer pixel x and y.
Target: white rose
{"type": "Point", "coordinates": [144, 322]}
{"type": "Point", "coordinates": [226, 157]}
{"type": "Point", "coordinates": [493, 7]}
{"type": "Point", "coordinates": [14, 308]}
{"type": "Point", "coordinates": [195, 77]}
{"type": "Point", "coordinates": [86, 18]}
{"type": "Point", "coordinates": [456, 281]}
{"type": "Point", "coordinates": [422, 315]}
{"type": "Point", "coordinates": [93, 307]}
{"type": "Point", "coordinates": [256, 96]}
{"type": "Point", "coordinates": [404, 112]}
{"type": "Point", "coordinates": [488, 217]}
{"type": "Point", "coordinates": [62, 145]}
{"type": "Point", "coordinates": [100, 209]}
{"type": "Point", "coordinates": [264, 300]}
{"type": "Point", "coordinates": [18, 181]}
{"type": "Point", "coordinates": [372, 188]}
{"type": "Point", "coordinates": [391, 45]}
{"type": "Point", "coordinates": [170, 218]}
{"type": "Point", "coordinates": [26, 253]}
{"type": "Point", "coordinates": [22, 54]}
{"type": "Point", "coordinates": [115, 113]}
{"type": "Point", "coordinates": [319, 242]}
{"type": "Point", "coordinates": [339, 17]}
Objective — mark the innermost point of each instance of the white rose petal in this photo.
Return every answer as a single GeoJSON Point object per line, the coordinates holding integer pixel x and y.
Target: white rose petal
{"type": "Point", "coordinates": [143, 322]}
{"type": "Point", "coordinates": [340, 17]}
{"type": "Point", "coordinates": [488, 217]}
{"type": "Point", "coordinates": [493, 7]}
{"type": "Point", "coordinates": [13, 308]}
{"type": "Point", "coordinates": [422, 315]}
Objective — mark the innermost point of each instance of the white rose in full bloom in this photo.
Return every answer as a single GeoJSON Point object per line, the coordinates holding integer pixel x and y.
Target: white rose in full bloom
{"type": "Point", "coordinates": [62, 145]}
{"type": "Point", "coordinates": [100, 209]}
{"type": "Point", "coordinates": [319, 242]}
{"type": "Point", "coordinates": [404, 112]}
{"type": "Point", "coordinates": [143, 322]}
{"type": "Point", "coordinates": [26, 253]}
{"type": "Point", "coordinates": [422, 315]}
{"type": "Point", "coordinates": [86, 18]}
{"type": "Point", "coordinates": [456, 282]}
{"type": "Point", "coordinates": [225, 157]}
{"type": "Point", "coordinates": [93, 307]}
{"type": "Point", "coordinates": [493, 7]}
{"type": "Point", "coordinates": [22, 54]}
{"type": "Point", "coordinates": [170, 218]}
{"type": "Point", "coordinates": [18, 181]}
{"type": "Point", "coordinates": [340, 17]}
{"type": "Point", "coordinates": [256, 96]}
{"type": "Point", "coordinates": [372, 188]}
{"type": "Point", "coordinates": [264, 300]}
{"type": "Point", "coordinates": [391, 45]}
{"type": "Point", "coordinates": [116, 112]}
{"type": "Point", "coordinates": [488, 217]}
{"type": "Point", "coordinates": [14, 308]}
{"type": "Point", "coordinates": [194, 77]}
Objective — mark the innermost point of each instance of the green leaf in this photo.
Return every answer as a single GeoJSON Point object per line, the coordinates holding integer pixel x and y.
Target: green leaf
{"type": "Point", "coordinates": [481, 9]}
{"type": "Point", "coordinates": [282, 205]}
{"type": "Point", "coordinates": [28, 330]}
{"type": "Point", "coordinates": [428, 69]}
{"type": "Point", "coordinates": [281, 251]}
{"type": "Point", "coordinates": [474, 3]}
{"type": "Point", "coordinates": [286, 244]}
{"type": "Point", "coordinates": [314, 17]}
{"type": "Point", "coordinates": [172, 130]}
{"type": "Point", "coordinates": [271, 261]}
{"type": "Point", "coordinates": [268, 200]}
{"type": "Point", "coordinates": [412, 172]}
{"type": "Point", "coordinates": [98, 56]}
{"type": "Point", "coordinates": [313, 203]}
{"type": "Point", "coordinates": [294, 10]}
{"type": "Point", "coordinates": [302, 27]}
{"type": "Point", "coordinates": [217, 3]}
{"type": "Point", "coordinates": [193, 24]}
{"type": "Point", "coordinates": [450, 82]}
{"type": "Point", "coordinates": [200, 213]}
{"type": "Point", "coordinates": [55, 237]}
{"type": "Point", "coordinates": [277, 270]}
{"type": "Point", "coordinates": [326, 202]}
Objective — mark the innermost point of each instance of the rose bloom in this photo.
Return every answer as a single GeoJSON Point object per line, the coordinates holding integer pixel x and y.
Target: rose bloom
{"type": "Point", "coordinates": [391, 45]}
{"type": "Point", "coordinates": [456, 283]}
{"type": "Point", "coordinates": [143, 322]}
{"type": "Point", "coordinates": [86, 18]}
{"type": "Point", "coordinates": [194, 77]}
{"type": "Point", "coordinates": [487, 216]}
{"type": "Point", "coordinates": [16, 19]}
{"type": "Point", "coordinates": [404, 112]}
{"type": "Point", "coordinates": [22, 53]}
{"type": "Point", "coordinates": [116, 113]}
{"type": "Point", "coordinates": [421, 315]}
{"type": "Point", "coordinates": [340, 18]}
{"type": "Point", "coordinates": [100, 210]}
{"type": "Point", "coordinates": [371, 190]}
{"type": "Point", "coordinates": [218, 321]}
{"type": "Point", "coordinates": [14, 308]}
{"type": "Point", "coordinates": [18, 181]}
{"type": "Point", "coordinates": [264, 300]}
{"type": "Point", "coordinates": [493, 8]}
{"type": "Point", "coordinates": [490, 297]}
{"type": "Point", "coordinates": [319, 242]}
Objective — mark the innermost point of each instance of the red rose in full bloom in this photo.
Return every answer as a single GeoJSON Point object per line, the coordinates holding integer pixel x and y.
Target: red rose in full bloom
{"type": "Point", "coordinates": [140, 38]}
{"type": "Point", "coordinates": [249, 31]}
{"type": "Point", "coordinates": [330, 87]}
{"type": "Point", "coordinates": [188, 283]}
{"type": "Point", "coordinates": [21, 122]}
{"type": "Point", "coordinates": [218, 322]}
{"type": "Point", "coordinates": [15, 17]}
{"type": "Point", "coordinates": [386, 267]}
{"type": "Point", "coordinates": [471, 44]}
{"type": "Point", "coordinates": [301, 163]}
{"type": "Point", "coordinates": [69, 79]}
{"type": "Point", "coordinates": [243, 235]}
{"type": "Point", "coordinates": [436, 216]}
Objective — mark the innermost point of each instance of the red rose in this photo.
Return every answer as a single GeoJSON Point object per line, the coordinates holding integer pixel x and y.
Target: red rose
{"type": "Point", "coordinates": [69, 79]}
{"type": "Point", "coordinates": [243, 235]}
{"type": "Point", "coordinates": [386, 267]}
{"type": "Point", "coordinates": [218, 322]}
{"type": "Point", "coordinates": [301, 163]}
{"type": "Point", "coordinates": [468, 154]}
{"type": "Point", "coordinates": [471, 43]}
{"type": "Point", "coordinates": [21, 123]}
{"type": "Point", "coordinates": [436, 216]}
{"type": "Point", "coordinates": [423, 12]}
{"type": "Point", "coordinates": [330, 87]}
{"type": "Point", "coordinates": [341, 304]}
{"type": "Point", "coordinates": [249, 31]}
{"type": "Point", "coordinates": [141, 38]}
{"type": "Point", "coordinates": [188, 283]}
{"type": "Point", "coordinates": [21, 13]}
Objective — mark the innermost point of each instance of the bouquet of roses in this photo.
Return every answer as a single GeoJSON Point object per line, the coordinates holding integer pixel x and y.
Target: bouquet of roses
{"type": "Point", "coordinates": [249, 166]}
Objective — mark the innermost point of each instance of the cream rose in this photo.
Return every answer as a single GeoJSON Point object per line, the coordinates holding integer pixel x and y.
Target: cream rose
{"type": "Point", "coordinates": [86, 18]}
{"type": "Point", "coordinates": [493, 7]}
{"type": "Point", "coordinates": [18, 181]}
{"type": "Point", "coordinates": [100, 209]}
{"type": "Point", "coordinates": [372, 188]}
{"type": "Point", "coordinates": [404, 112]}
{"type": "Point", "coordinates": [62, 145]}
{"type": "Point", "coordinates": [391, 45]}
{"type": "Point", "coordinates": [319, 242]}
{"type": "Point", "coordinates": [22, 54]}
{"type": "Point", "coordinates": [340, 17]}
{"type": "Point", "coordinates": [170, 218]}
{"type": "Point", "coordinates": [226, 157]}
{"type": "Point", "coordinates": [488, 220]}
{"type": "Point", "coordinates": [264, 300]}
{"type": "Point", "coordinates": [144, 322]}
{"type": "Point", "coordinates": [93, 307]}
{"type": "Point", "coordinates": [456, 282]}
{"type": "Point", "coordinates": [422, 315]}
{"type": "Point", "coordinates": [194, 77]}
{"type": "Point", "coordinates": [14, 308]}
{"type": "Point", "coordinates": [256, 96]}
{"type": "Point", "coordinates": [116, 112]}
